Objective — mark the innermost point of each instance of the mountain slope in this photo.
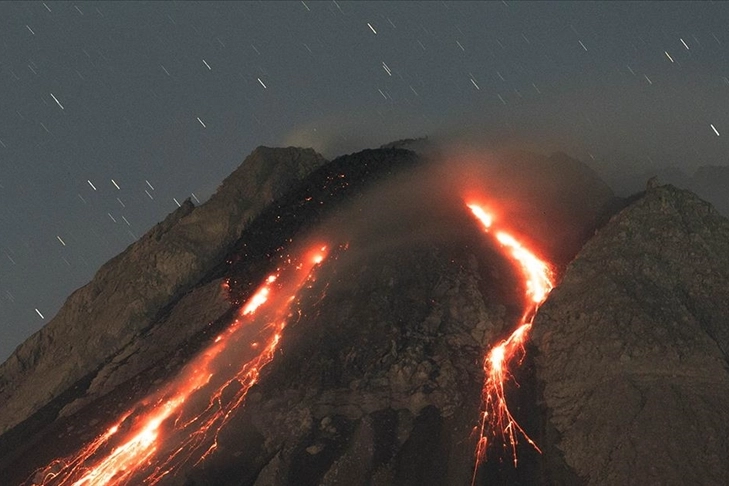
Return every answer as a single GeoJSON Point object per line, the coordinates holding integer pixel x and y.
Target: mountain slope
{"type": "Point", "coordinates": [378, 378]}
{"type": "Point", "coordinates": [128, 292]}
{"type": "Point", "coordinates": [633, 347]}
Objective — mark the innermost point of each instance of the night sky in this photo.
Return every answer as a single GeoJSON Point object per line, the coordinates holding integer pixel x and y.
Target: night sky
{"type": "Point", "coordinates": [110, 113]}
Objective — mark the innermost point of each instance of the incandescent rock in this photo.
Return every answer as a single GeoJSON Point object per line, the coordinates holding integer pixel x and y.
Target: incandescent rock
{"type": "Point", "coordinates": [378, 376]}
{"type": "Point", "coordinates": [633, 347]}
{"type": "Point", "coordinates": [377, 382]}
{"type": "Point", "coordinates": [128, 292]}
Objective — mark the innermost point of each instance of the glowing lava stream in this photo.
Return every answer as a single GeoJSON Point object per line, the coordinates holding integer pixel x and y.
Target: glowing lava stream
{"type": "Point", "coordinates": [495, 418]}
{"type": "Point", "coordinates": [181, 423]}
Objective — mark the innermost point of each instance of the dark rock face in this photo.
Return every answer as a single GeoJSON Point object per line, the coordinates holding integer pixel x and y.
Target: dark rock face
{"type": "Point", "coordinates": [379, 379]}
{"type": "Point", "coordinates": [378, 382]}
{"type": "Point", "coordinates": [633, 347]}
{"type": "Point", "coordinates": [101, 320]}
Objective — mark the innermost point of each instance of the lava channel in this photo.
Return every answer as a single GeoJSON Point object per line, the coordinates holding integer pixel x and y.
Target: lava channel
{"type": "Point", "coordinates": [180, 424]}
{"type": "Point", "coordinates": [495, 419]}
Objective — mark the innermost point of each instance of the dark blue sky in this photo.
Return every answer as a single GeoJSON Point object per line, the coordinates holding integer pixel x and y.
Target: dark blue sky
{"type": "Point", "coordinates": [111, 111]}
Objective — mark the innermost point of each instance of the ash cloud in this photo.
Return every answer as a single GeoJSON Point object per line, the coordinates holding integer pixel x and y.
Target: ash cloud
{"type": "Point", "coordinates": [554, 202]}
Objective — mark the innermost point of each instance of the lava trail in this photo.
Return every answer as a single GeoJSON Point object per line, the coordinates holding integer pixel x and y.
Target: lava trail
{"type": "Point", "coordinates": [495, 419]}
{"type": "Point", "coordinates": [179, 424]}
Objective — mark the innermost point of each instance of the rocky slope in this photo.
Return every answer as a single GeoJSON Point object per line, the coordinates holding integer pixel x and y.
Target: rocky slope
{"type": "Point", "coordinates": [633, 347]}
{"type": "Point", "coordinates": [102, 319]}
{"type": "Point", "coordinates": [378, 381]}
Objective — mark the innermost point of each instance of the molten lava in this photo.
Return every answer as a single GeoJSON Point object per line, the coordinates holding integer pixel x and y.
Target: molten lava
{"type": "Point", "coordinates": [180, 423]}
{"type": "Point", "coordinates": [496, 420]}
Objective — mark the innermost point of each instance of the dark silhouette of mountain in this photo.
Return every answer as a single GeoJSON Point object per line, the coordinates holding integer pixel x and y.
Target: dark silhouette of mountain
{"type": "Point", "coordinates": [710, 182]}
{"type": "Point", "coordinates": [379, 373]}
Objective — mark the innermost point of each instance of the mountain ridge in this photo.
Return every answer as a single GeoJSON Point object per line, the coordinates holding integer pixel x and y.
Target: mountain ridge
{"type": "Point", "coordinates": [182, 247]}
{"type": "Point", "coordinates": [378, 379]}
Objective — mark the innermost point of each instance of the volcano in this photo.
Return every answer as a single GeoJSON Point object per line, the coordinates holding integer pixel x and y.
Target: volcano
{"type": "Point", "coordinates": [399, 316]}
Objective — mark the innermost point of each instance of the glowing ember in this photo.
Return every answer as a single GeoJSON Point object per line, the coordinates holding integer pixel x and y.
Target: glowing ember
{"type": "Point", "coordinates": [181, 423]}
{"type": "Point", "coordinates": [496, 419]}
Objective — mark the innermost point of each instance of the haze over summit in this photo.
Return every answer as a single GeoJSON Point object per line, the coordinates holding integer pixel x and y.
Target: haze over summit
{"type": "Point", "coordinates": [114, 111]}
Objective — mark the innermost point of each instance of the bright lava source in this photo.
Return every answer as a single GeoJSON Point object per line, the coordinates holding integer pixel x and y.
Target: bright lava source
{"type": "Point", "coordinates": [495, 419]}
{"type": "Point", "coordinates": [180, 424]}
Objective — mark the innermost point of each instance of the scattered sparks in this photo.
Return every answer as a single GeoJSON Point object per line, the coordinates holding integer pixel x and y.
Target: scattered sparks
{"type": "Point", "coordinates": [61, 240]}
{"type": "Point", "coordinates": [149, 184]}
{"type": "Point", "coordinates": [164, 431]}
{"type": "Point", "coordinates": [207, 66]}
{"type": "Point", "coordinates": [57, 102]}
{"type": "Point", "coordinates": [39, 313]}
{"type": "Point", "coordinates": [201, 122]}
{"type": "Point", "coordinates": [262, 83]}
{"type": "Point", "coordinates": [386, 68]}
{"type": "Point", "coordinates": [714, 128]}
{"type": "Point", "coordinates": [668, 56]}
{"type": "Point", "coordinates": [31, 30]}
{"type": "Point", "coordinates": [371, 28]}
{"type": "Point", "coordinates": [583, 45]}
{"type": "Point", "coordinates": [496, 420]}
{"type": "Point", "coordinates": [684, 44]}
{"type": "Point", "coordinates": [91, 184]}
{"type": "Point", "coordinates": [115, 184]}
{"type": "Point", "coordinates": [305, 5]}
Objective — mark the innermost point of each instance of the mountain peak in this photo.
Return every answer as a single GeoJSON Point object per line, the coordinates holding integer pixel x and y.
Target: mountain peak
{"type": "Point", "coordinates": [633, 346]}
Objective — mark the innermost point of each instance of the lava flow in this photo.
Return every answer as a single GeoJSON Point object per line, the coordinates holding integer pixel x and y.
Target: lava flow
{"type": "Point", "coordinates": [180, 424]}
{"type": "Point", "coordinates": [495, 418]}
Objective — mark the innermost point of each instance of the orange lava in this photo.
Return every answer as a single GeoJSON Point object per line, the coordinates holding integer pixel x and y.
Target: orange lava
{"type": "Point", "coordinates": [180, 424]}
{"type": "Point", "coordinates": [495, 419]}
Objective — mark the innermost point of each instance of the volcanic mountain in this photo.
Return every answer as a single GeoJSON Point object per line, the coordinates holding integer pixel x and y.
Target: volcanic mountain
{"type": "Point", "coordinates": [388, 318]}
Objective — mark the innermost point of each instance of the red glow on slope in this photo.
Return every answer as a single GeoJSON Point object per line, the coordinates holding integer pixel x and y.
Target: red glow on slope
{"type": "Point", "coordinates": [496, 419]}
{"type": "Point", "coordinates": [180, 424]}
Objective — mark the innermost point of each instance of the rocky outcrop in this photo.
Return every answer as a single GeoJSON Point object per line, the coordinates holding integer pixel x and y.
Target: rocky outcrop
{"type": "Point", "coordinates": [379, 381]}
{"type": "Point", "coordinates": [633, 347]}
{"type": "Point", "coordinates": [379, 375]}
{"type": "Point", "coordinates": [103, 318]}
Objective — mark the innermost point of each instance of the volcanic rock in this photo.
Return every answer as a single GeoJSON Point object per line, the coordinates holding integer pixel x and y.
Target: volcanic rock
{"type": "Point", "coordinates": [377, 382]}
{"type": "Point", "coordinates": [102, 319]}
{"type": "Point", "coordinates": [633, 347]}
